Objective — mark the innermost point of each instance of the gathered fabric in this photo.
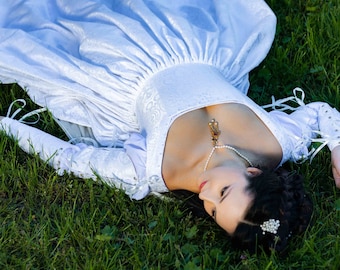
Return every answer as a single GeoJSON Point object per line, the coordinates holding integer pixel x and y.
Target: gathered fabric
{"type": "Point", "coordinates": [87, 61]}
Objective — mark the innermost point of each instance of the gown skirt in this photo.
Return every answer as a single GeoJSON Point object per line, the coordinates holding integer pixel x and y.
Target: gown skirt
{"type": "Point", "coordinates": [87, 61]}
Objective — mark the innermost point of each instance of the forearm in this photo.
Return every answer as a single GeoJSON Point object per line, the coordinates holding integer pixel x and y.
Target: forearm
{"type": "Point", "coordinates": [326, 122]}
{"type": "Point", "coordinates": [34, 141]}
{"type": "Point", "coordinates": [111, 165]}
{"type": "Point", "coordinates": [329, 124]}
{"type": "Point", "coordinates": [82, 160]}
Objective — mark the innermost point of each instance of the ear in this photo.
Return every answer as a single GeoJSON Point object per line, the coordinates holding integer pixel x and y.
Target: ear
{"type": "Point", "coordinates": [252, 171]}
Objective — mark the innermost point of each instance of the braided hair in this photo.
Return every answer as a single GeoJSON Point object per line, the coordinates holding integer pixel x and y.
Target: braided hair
{"type": "Point", "coordinates": [280, 196]}
{"type": "Point", "coordinates": [277, 195]}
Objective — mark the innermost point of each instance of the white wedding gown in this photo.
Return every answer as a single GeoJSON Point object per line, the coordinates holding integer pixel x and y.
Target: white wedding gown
{"type": "Point", "coordinates": [120, 72]}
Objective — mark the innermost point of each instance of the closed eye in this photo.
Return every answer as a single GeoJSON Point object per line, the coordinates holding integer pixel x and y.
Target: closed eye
{"type": "Point", "coordinates": [224, 190]}
{"type": "Point", "coordinates": [213, 214]}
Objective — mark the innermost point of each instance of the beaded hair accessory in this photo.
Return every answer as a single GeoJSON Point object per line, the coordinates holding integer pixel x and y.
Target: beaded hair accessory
{"type": "Point", "coordinates": [270, 226]}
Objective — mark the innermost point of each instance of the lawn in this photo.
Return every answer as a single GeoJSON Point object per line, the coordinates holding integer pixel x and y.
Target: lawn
{"type": "Point", "coordinates": [62, 222]}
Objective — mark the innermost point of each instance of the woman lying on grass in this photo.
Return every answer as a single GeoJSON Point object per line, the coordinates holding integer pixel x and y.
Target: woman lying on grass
{"type": "Point", "coordinates": [152, 95]}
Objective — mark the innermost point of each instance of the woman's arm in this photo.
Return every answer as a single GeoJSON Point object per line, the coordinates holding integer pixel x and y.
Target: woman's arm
{"type": "Point", "coordinates": [111, 165]}
{"type": "Point", "coordinates": [308, 123]}
{"type": "Point", "coordinates": [324, 121]}
{"type": "Point", "coordinates": [329, 126]}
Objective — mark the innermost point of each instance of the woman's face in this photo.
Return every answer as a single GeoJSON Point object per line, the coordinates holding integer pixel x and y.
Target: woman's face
{"type": "Point", "coordinates": [223, 191]}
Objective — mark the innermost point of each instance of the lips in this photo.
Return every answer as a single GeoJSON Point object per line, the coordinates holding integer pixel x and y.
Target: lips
{"type": "Point", "coordinates": [202, 185]}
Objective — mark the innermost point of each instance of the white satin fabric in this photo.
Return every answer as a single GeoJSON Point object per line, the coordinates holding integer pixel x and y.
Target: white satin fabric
{"type": "Point", "coordinates": [88, 60]}
{"type": "Point", "coordinates": [109, 69]}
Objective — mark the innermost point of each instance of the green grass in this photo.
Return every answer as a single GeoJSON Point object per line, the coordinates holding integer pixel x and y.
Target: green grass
{"type": "Point", "coordinates": [53, 222]}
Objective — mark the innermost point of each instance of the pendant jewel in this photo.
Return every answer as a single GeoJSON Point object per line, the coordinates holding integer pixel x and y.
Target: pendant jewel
{"type": "Point", "coordinates": [215, 134]}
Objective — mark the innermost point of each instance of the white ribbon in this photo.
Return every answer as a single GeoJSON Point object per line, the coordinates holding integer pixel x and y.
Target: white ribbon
{"type": "Point", "coordinates": [27, 115]}
{"type": "Point", "coordinates": [280, 105]}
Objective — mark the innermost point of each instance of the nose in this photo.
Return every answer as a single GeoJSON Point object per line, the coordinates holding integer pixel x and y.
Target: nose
{"type": "Point", "coordinates": [208, 201]}
{"type": "Point", "coordinates": [207, 195]}
{"type": "Point", "coordinates": [203, 195]}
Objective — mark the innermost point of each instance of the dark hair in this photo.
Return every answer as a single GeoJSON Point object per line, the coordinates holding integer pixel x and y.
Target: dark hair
{"type": "Point", "coordinates": [277, 195]}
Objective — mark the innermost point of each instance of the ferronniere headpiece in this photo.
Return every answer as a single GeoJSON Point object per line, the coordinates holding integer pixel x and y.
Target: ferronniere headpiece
{"type": "Point", "coordinates": [270, 226]}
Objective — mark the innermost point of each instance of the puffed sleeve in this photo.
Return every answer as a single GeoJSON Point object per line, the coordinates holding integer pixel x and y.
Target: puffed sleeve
{"type": "Point", "coordinates": [111, 165]}
{"type": "Point", "coordinates": [308, 129]}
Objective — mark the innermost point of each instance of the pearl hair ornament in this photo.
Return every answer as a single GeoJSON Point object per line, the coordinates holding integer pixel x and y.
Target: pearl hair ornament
{"type": "Point", "coordinates": [271, 226]}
